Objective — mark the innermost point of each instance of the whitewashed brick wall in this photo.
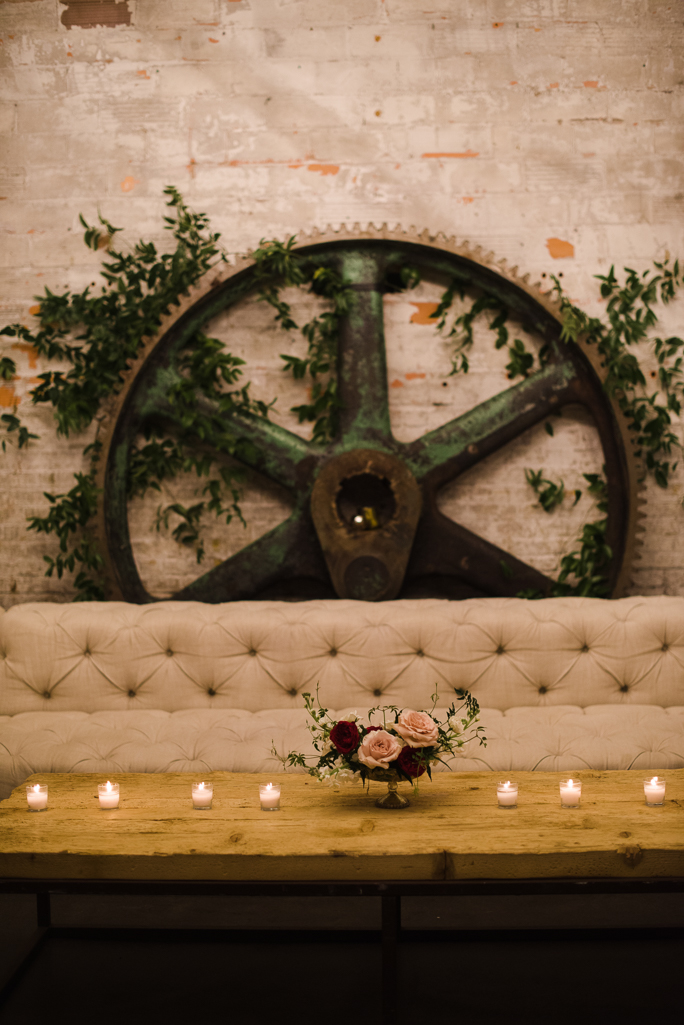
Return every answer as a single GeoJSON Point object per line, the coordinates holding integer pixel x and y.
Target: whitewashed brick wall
{"type": "Point", "coordinates": [549, 131]}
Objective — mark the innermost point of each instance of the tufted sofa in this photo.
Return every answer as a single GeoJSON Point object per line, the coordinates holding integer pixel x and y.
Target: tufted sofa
{"type": "Point", "coordinates": [564, 683]}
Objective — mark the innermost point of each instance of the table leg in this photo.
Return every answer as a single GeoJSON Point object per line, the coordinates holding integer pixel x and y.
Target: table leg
{"type": "Point", "coordinates": [43, 910]}
{"type": "Point", "coordinates": [391, 927]}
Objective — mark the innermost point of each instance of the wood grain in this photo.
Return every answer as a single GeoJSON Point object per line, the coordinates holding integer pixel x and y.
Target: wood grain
{"type": "Point", "coordinates": [453, 829]}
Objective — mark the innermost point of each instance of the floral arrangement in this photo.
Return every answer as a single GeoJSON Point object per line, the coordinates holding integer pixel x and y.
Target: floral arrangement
{"type": "Point", "coordinates": [407, 744]}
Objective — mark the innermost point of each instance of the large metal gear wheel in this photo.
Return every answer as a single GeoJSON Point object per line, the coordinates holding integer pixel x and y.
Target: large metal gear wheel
{"type": "Point", "coordinates": [413, 550]}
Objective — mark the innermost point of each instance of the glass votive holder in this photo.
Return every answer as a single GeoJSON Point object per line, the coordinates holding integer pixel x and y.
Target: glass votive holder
{"type": "Point", "coordinates": [507, 794]}
{"type": "Point", "coordinates": [202, 794]}
{"type": "Point", "coordinates": [108, 795]}
{"type": "Point", "coordinates": [269, 795]}
{"type": "Point", "coordinates": [654, 792]}
{"type": "Point", "coordinates": [570, 793]}
{"type": "Point", "coordinates": [37, 796]}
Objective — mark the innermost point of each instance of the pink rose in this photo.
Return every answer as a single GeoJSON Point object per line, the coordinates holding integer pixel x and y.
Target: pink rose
{"type": "Point", "coordinates": [378, 749]}
{"type": "Point", "coordinates": [417, 728]}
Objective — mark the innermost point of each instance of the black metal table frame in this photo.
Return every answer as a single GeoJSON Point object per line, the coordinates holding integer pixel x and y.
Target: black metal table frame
{"type": "Point", "coordinates": [390, 893]}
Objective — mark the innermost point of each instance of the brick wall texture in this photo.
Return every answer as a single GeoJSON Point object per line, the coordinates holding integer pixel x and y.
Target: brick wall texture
{"type": "Point", "coordinates": [549, 131]}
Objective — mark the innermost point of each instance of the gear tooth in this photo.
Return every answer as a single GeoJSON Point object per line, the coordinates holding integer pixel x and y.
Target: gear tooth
{"type": "Point", "coordinates": [513, 271]}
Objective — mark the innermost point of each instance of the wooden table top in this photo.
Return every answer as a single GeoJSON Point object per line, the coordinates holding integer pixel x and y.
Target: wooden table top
{"type": "Point", "coordinates": [453, 830]}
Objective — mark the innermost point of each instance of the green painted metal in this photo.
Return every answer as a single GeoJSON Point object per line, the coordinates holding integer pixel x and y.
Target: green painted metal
{"type": "Point", "coordinates": [288, 561]}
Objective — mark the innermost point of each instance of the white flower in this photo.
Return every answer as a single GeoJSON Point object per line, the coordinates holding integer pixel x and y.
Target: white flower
{"type": "Point", "coordinates": [456, 725]}
{"type": "Point", "coordinates": [326, 747]}
{"type": "Point", "coordinates": [348, 776]}
{"type": "Point", "coordinates": [352, 717]}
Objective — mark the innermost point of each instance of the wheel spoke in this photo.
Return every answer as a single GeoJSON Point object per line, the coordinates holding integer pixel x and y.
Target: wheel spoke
{"type": "Point", "coordinates": [289, 550]}
{"type": "Point", "coordinates": [362, 364]}
{"type": "Point", "coordinates": [441, 454]}
{"type": "Point", "coordinates": [264, 446]}
{"type": "Point", "coordinates": [444, 547]}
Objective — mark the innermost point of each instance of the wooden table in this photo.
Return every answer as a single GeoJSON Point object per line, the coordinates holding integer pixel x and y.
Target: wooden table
{"type": "Point", "coordinates": [452, 840]}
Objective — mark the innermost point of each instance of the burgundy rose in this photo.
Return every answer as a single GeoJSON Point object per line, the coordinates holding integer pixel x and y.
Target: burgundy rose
{"type": "Point", "coordinates": [409, 761]}
{"type": "Point", "coordinates": [345, 736]}
{"type": "Point", "coordinates": [373, 729]}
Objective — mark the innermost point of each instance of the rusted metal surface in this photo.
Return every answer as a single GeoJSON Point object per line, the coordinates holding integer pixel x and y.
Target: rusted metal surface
{"type": "Point", "coordinates": [417, 551]}
{"type": "Point", "coordinates": [366, 561]}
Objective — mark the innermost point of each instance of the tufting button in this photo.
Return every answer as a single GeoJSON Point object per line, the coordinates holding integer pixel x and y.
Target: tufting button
{"type": "Point", "coordinates": [86, 651]}
{"type": "Point", "coordinates": [252, 651]}
{"type": "Point", "coordinates": [377, 693]}
{"type": "Point", "coordinates": [169, 652]}
{"type": "Point", "coordinates": [665, 647]}
{"type": "Point", "coordinates": [211, 692]}
{"type": "Point", "coordinates": [131, 693]}
{"type": "Point", "coordinates": [46, 694]}
{"type": "Point", "coordinates": [293, 692]}
{"type": "Point", "coordinates": [543, 690]}
{"type": "Point", "coordinates": [333, 652]}
{"type": "Point", "coordinates": [500, 650]}
{"type": "Point", "coordinates": [585, 647]}
{"type": "Point", "coordinates": [420, 653]}
{"type": "Point", "coordinates": [624, 687]}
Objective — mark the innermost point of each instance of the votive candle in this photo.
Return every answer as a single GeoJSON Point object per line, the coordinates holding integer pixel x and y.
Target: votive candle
{"type": "Point", "coordinates": [108, 793]}
{"type": "Point", "coordinates": [654, 791]}
{"type": "Point", "coordinates": [570, 793]}
{"type": "Point", "coordinates": [269, 795]}
{"type": "Point", "coordinates": [37, 796]}
{"type": "Point", "coordinates": [202, 794]}
{"type": "Point", "coordinates": [507, 794]}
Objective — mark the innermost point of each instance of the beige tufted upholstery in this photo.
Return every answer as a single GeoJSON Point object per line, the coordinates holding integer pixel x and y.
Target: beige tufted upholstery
{"type": "Point", "coordinates": [564, 683]}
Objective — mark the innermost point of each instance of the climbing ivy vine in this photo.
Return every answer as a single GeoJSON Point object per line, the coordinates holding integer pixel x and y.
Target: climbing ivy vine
{"type": "Point", "coordinates": [97, 332]}
{"type": "Point", "coordinates": [648, 408]}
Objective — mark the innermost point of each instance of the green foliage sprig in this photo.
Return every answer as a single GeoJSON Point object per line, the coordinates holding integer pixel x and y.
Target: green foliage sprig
{"type": "Point", "coordinates": [96, 335]}
{"type": "Point", "coordinates": [521, 361]}
{"type": "Point", "coordinates": [630, 319]}
{"type": "Point", "coordinates": [278, 265]}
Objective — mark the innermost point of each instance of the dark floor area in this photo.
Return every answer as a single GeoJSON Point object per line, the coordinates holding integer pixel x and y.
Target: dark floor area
{"type": "Point", "coordinates": [479, 975]}
{"type": "Point", "coordinates": [482, 979]}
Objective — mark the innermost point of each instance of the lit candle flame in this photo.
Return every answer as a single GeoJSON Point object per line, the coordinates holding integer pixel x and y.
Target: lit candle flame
{"type": "Point", "coordinates": [201, 786]}
{"type": "Point", "coordinates": [37, 788]}
{"type": "Point", "coordinates": [654, 780]}
{"type": "Point", "coordinates": [269, 786]}
{"type": "Point", "coordinates": [570, 783]}
{"type": "Point", "coordinates": [507, 784]}
{"type": "Point", "coordinates": [109, 785]}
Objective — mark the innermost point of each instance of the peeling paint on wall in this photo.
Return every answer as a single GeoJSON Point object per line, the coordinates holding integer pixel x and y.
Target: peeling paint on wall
{"type": "Point", "coordinates": [90, 13]}
{"type": "Point", "coordinates": [449, 156]}
{"type": "Point", "coordinates": [423, 314]}
{"type": "Point", "coordinates": [559, 249]}
{"type": "Point", "coordinates": [324, 168]}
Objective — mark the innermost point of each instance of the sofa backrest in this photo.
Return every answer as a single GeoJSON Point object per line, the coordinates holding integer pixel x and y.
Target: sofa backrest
{"type": "Point", "coordinates": [258, 655]}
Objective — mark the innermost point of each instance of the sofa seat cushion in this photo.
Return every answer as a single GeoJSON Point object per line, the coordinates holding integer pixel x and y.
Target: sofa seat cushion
{"type": "Point", "coordinates": [558, 738]}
